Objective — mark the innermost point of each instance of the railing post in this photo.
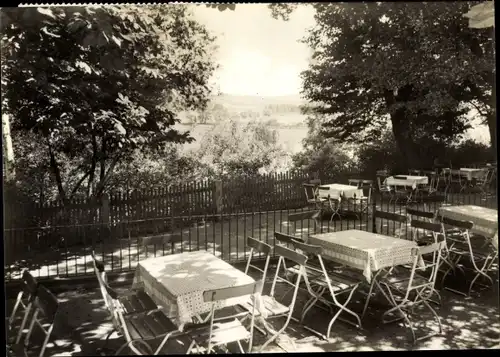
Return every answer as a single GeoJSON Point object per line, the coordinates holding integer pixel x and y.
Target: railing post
{"type": "Point", "coordinates": [104, 232]}
{"type": "Point", "coordinates": [374, 208]}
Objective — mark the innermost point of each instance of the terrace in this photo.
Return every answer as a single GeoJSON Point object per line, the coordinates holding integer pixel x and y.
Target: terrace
{"type": "Point", "coordinates": [83, 321]}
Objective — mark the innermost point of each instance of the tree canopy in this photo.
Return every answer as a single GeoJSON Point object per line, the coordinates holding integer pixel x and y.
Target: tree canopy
{"type": "Point", "coordinates": [96, 83]}
{"type": "Point", "coordinates": [415, 63]}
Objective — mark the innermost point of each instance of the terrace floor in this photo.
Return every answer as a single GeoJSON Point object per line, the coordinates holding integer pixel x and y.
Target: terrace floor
{"type": "Point", "coordinates": [469, 323]}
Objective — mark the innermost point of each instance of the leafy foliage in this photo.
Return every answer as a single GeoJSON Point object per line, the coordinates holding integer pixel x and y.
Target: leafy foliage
{"type": "Point", "coordinates": [235, 149]}
{"type": "Point", "coordinates": [415, 63]}
{"type": "Point", "coordinates": [98, 83]}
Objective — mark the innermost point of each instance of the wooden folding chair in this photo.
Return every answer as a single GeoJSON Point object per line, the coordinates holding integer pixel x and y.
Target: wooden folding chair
{"type": "Point", "coordinates": [222, 333]}
{"type": "Point", "coordinates": [274, 309]}
{"type": "Point", "coordinates": [330, 285]}
{"type": "Point", "coordinates": [394, 217]}
{"type": "Point", "coordinates": [46, 309]}
{"type": "Point", "coordinates": [408, 290]}
{"type": "Point", "coordinates": [334, 202]}
{"type": "Point", "coordinates": [424, 215]}
{"type": "Point", "coordinates": [140, 328]}
{"type": "Point", "coordinates": [133, 302]}
{"type": "Point", "coordinates": [305, 218]}
{"type": "Point", "coordinates": [364, 200]}
{"type": "Point", "coordinates": [25, 299]}
{"type": "Point", "coordinates": [384, 190]}
{"type": "Point", "coordinates": [311, 191]}
{"type": "Point", "coordinates": [158, 242]}
{"type": "Point", "coordinates": [460, 246]}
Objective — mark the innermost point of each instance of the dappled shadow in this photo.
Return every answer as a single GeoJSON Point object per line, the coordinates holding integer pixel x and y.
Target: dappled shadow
{"type": "Point", "coordinates": [468, 323]}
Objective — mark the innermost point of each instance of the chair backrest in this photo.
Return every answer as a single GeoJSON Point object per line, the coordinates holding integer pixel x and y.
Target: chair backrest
{"type": "Point", "coordinates": [30, 285]}
{"type": "Point", "coordinates": [435, 229]}
{"type": "Point", "coordinates": [413, 172]}
{"type": "Point", "coordinates": [435, 249]}
{"type": "Point", "coordinates": [418, 213]}
{"type": "Point", "coordinates": [462, 225]}
{"type": "Point", "coordinates": [230, 292]}
{"type": "Point", "coordinates": [285, 238]}
{"type": "Point", "coordinates": [315, 182]}
{"type": "Point", "coordinates": [262, 248]}
{"type": "Point", "coordinates": [389, 216]}
{"type": "Point", "coordinates": [310, 190]}
{"type": "Point", "coordinates": [306, 216]}
{"type": "Point", "coordinates": [47, 303]}
{"type": "Point", "coordinates": [354, 182]}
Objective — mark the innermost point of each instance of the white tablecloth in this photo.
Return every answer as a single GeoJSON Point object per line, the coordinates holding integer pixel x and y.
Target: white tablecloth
{"type": "Point", "coordinates": [364, 250]}
{"type": "Point", "coordinates": [177, 282]}
{"type": "Point", "coordinates": [472, 173]}
{"type": "Point", "coordinates": [485, 219]}
{"type": "Point", "coordinates": [410, 181]}
{"type": "Point", "coordinates": [336, 189]}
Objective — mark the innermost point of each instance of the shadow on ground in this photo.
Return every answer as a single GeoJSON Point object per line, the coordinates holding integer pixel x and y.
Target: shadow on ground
{"type": "Point", "coordinates": [469, 323]}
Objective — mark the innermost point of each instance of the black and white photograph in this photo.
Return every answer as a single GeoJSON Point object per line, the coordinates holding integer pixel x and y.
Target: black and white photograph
{"type": "Point", "coordinates": [226, 178]}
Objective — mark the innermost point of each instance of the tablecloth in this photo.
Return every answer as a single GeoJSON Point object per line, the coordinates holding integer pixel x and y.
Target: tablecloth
{"type": "Point", "coordinates": [410, 181]}
{"type": "Point", "coordinates": [177, 282]}
{"type": "Point", "coordinates": [364, 250]}
{"type": "Point", "coordinates": [485, 219]}
{"type": "Point", "coordinates": [470, 173]}
{"type": "Point", "coordinates": [346, 191]}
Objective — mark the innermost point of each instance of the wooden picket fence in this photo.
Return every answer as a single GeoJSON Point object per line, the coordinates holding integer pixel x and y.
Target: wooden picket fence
{"type": "Point", "coordinates": [265, 193]}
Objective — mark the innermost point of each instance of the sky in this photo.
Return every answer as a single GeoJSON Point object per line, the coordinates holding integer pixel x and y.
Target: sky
{"type": "Point", "coordinates": [258, 55]}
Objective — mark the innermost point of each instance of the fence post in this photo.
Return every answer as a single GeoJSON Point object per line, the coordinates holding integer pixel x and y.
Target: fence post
{"type": "Point", "coordinates": [217, 196]}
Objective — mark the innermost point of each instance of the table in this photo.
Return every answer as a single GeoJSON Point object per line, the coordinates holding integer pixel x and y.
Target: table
{"type": "Point", "coordinates": [364, 250]}
{"type": "Point", "coordinates": [335, 189]}
{"type": "Point", "coordinates": [485, 219]}
{"type": "Point", "coordinates": [177, 282]}
{"type": "Point", "coordinates": [472, 173]}
{"type": "Point", "coordinates": [408, 181]}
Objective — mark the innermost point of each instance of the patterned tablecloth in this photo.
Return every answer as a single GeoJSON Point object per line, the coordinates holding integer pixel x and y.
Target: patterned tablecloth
{"type": "Point", "coordinates": [410, 181]}
{"type": "Point", "coordinates": [335, 189]}
{"type": "Point", "coordinates": [177, 282]}
{"type": "Point", "coordinates": [485, 219]}
{"type": "Point", "coordinates": [364, 250]}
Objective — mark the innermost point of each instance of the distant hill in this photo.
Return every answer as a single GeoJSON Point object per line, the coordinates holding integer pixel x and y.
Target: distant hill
{"type": "Point", "coordinates": [254, 102]}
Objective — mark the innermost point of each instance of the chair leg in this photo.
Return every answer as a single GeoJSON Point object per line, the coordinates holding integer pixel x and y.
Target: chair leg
{"type": "Point", "coordinates": [46, 340]}
{"type": "Point", "coordinates": [23, 323]}
{"type": "Point", "coordinates": [343, 308]}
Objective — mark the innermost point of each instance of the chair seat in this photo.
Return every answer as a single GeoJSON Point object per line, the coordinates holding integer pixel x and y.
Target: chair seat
{"type": "Point", "coordinates": [424, 240]}
{"type": "Point", "coordinates": [315, 200]}
{"type": "Point", "coordinates": [400, 280]}
{"type": "Point", "coordinates": [137, 302]}
{"type": "Point", "coordinates": [271, 306]}
{"type": "Point", "coordinates": [339, 282]}
{"type": "Point", "coordinates": [149, 326]}
{"type": "Point", "coordinates": [310, 271]}
{"type": "Point", "coordinates": [222, 333]}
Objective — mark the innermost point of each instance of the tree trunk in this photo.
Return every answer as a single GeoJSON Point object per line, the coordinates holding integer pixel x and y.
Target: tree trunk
{"type": "Point", "coordinates": [492, 126]}
{"type": "Point", "coordinates": [404, 141]}
{"type": "Point", "coordinates": [8, 154]}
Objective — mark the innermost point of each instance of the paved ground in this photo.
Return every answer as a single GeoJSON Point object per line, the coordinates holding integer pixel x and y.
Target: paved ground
{"type": "Point", "coordinates": [469, 323]}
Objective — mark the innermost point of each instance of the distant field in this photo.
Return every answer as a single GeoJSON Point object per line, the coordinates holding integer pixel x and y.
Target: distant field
{"type": "Point", "coordinates": [290, 138]}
